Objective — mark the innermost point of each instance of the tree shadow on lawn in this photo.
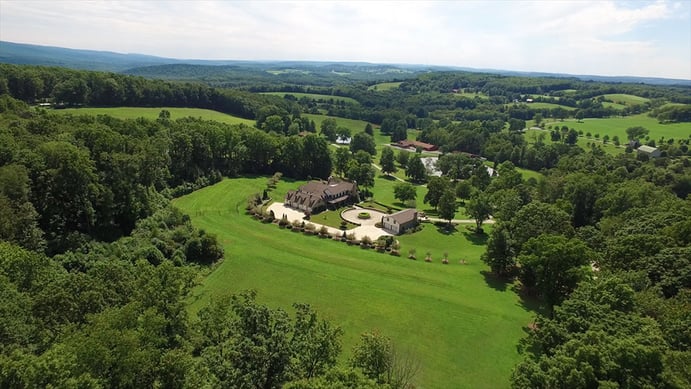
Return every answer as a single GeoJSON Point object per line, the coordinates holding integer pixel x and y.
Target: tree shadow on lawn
{"type": "Point", "coordinates": [527, 301]}
{"type": "Point", "coordinates": [495, 282]}
{"type": "Point", "coordinates": [475, 238]}
{"type": "Point", "coordinates": [387, 177]}
{"type": "Point", "coordinates": [445, 228]}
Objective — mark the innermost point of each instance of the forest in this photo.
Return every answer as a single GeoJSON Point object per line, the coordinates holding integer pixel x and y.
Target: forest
{"type": "Point", "coordinates": [96, 265]}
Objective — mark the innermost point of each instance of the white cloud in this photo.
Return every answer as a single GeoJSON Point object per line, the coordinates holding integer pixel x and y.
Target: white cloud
{"type": "Point", "coordinates": [602, 37]}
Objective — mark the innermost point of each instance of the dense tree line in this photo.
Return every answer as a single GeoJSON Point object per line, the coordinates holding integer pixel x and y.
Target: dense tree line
{"type": "Point", "coordinates": [74, 178]}
{"type": "Point", "coordinates": [95, 265]}
{"type": "Point", "coordinates": [114, 315]}
{"type": "Point", "coordinates": [603, 242]}
{"type": "Point", "coordinates": [82, 308]}
{"type": "Point", "coordinates": [75, 88]}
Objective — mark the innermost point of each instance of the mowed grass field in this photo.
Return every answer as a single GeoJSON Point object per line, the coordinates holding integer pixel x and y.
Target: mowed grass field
{"type": "Point", "coordinates": [313, 96]}
{"type": "Point", "coordinates": [352, 124]}
{"type": "Point", "coordinates": [625, 99]}
{"type": "Point", "coordinates": [618, 125]}
{"type": "Point", "coordinates": [462, 327]}
{"type": "Point", "coordinates": [531, 136]}
{"type": "Point", "coordinates": [152, 113]}
{"type": "Point", "coordinates": [540, 105]}
{"type": "Point", "coordinates": [384, 86]}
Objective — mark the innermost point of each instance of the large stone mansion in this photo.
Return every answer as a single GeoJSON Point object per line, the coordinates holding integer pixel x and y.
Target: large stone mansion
{"type": "Point", "coordinates": [316, 196]}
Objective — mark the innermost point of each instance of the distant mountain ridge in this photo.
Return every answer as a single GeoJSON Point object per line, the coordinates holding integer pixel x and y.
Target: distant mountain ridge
{"type": "Point", "coordinates": [161, 67]}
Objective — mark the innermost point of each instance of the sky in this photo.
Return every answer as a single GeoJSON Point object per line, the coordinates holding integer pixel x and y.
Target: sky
{"type": "Point", "coordinates": [623, 38]}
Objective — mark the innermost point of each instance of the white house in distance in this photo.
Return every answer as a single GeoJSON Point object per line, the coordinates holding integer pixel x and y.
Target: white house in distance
{"type": "Point", "coordinates": [652, 152]}
{"type": "Point", "coordinates": [343, 140]}
{"type": "Point", "coordinates": [397, 223]}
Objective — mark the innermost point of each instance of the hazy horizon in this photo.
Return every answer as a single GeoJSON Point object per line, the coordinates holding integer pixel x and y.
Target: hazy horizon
{"type": "Point", "coordinates": [606, 38]}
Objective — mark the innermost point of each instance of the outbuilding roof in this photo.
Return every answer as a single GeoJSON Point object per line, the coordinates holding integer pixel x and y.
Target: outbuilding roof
{"type": "Point", "coordinates": [404, 216]}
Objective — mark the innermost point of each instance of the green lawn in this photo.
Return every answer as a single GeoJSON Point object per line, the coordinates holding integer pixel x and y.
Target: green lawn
{"type": "Point", "coordinates": [472, 95]}
{"type": "Point", "coordinates": [540, 105]}
{"type": "Point", "coordinates": [525, 173]}
{"type": "Point", "coordinates": [607, 104]}
{"type": "Point", "coordinates": [618, 125]}
{"type": "Point", "coordinates": [152, 113]}
{"type": "Point", "coordinates": [531, 136]}
{"type": "Point", "coordinates": [352, 124]}
{"type": "Point", "coordinates": [462, 327]}
{"type": "Point", "coordinates": [383, 191]}
{"type": "Point", "coordinates": [624, 99]}
{"type": "Point", "coordinates": [384, 86]}
{"type": "Point", "coordinates": [332, 218]}
{"type": "Point", "coordinates": [313, 96]}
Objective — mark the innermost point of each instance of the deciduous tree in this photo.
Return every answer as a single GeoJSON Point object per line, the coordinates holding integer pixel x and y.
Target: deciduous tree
{"type": "Point", "coordinates": [416, 170]}
{"type": "Point", "coordinates": [404, 191]}
{"type": "Point", "coordinates": [436, 187]}
{"type": "Point", "coordinates": [447, 205]}
{"type": "Point", "coordinates": [387, 161]}
{"type": "Point", "coordinates": [480, 209]}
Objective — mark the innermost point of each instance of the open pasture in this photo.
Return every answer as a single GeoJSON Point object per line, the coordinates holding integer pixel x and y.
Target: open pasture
{"type": "Point", "coordinates": [384, 86]}
{"type": "Point", "coordinates": [314, 96]}
{"type": "Point", "coordinates": [472, 95]}
{"type": "Point", "coordinates": [625, 99]}
{"type": "Point", "coordinates": [618, 125]}
{"type": "Point", "coordinates": [352, 124]}
{"type": "Point", "coordinates": [540, 105]}
{"type": "Point", "coordinates": [152, 113]}
{"type": "Point", "coordinates": [462, 327]}
{"type": "Point", "coordinates": [532, 136]}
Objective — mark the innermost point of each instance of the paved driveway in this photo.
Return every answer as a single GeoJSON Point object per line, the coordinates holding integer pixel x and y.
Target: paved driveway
{"type": "Point", "coordinates": [351, 216]}
{"type": "Point", "coordinates": [367, 227]}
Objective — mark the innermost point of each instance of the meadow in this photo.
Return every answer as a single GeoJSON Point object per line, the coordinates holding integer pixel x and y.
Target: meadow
{"type": "Point", "coordinates": [384, 86]}
{"type": "Point", "coordinates": [152, 113]}
{"type": "Point", "coordinates": [462, 326]}
{"type": "Point", "coordinates": [531, 136]}
{"type": "Point", "coordinates": [352, 124]}
{"type": "Point", "coordinates": [625, 99]}
{"type": "Point", "coordinates": [314, 96]}
{"type": "Point", "coordinates": [618, 125]}
{"type": "Point", "coordinates": [472, 95]}
{"type": "Point", "coordinates": [540, 105]}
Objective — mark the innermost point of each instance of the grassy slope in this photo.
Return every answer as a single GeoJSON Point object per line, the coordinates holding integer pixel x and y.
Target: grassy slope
{"type": "Point", "coordinates": [384, 86]}
{"type": "Point", "coordinates": [540, 105]}
{"type": "Point", "coordinates": [624, 99]}
{"type": "Point", "coordinates": [314, 96]}
{"type": "Point", "coordinates": [472, 95]}
{"type": "Point", "coordinates": [618, 125]}
{"type": "Point", "coordinates": [152, 113]}
{"type": "Point", "coordinates": [463, 330]}
{"type": "Point", "coordinates": [531, 136]}
{"type": "Point", "coordinates": [352, 124]}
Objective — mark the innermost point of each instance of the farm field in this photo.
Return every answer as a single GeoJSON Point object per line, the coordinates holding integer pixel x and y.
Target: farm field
{"type": "Point", "coordinates": [352, 124]}
{"type": "Point", "coordinates": [152, 113]}
{"type": "Point", "coordinates": [462, 327]}
{"type": "Point", "coordinates": [472, 95]}
{"type": "Point", "coordinates": [540, 105]}
{"type": "Point", "coordinates": [532, 135]}
{"type": "Point", "coordinates": [618, 125]}
{"type": "Point", "coordinates": [607, 104]}
{"type": "Point", "coordinates": [313, 96]}
{"type": "Point", "coordinates": [384, 86]}
{"type": "Point", "coordinates": [625, 99]}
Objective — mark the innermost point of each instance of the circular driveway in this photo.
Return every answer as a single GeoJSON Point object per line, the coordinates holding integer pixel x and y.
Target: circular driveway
{"type": "Point", "coordinates": [351, 216]}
